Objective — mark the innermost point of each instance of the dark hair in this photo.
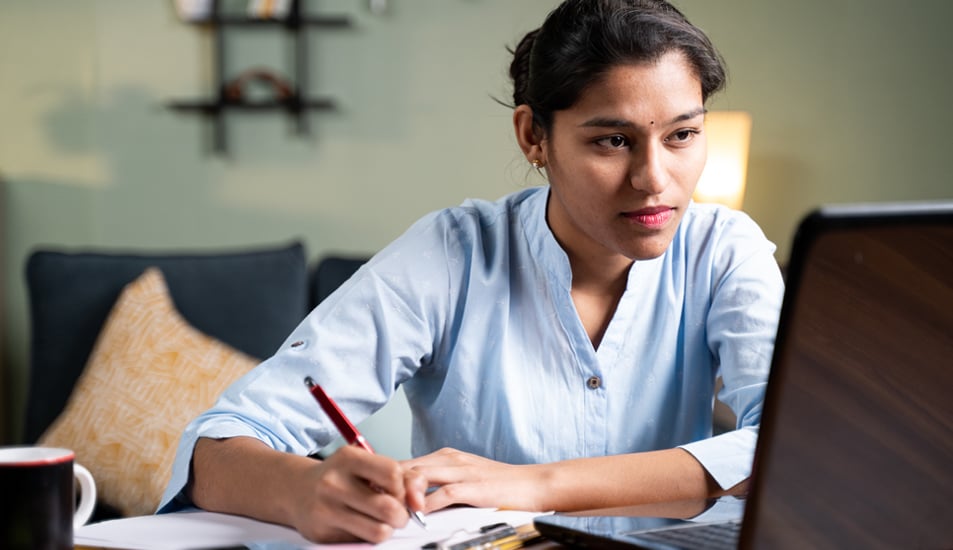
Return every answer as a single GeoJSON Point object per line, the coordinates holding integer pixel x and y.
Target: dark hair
{"type": "Point", "coordinates": [581, 40]}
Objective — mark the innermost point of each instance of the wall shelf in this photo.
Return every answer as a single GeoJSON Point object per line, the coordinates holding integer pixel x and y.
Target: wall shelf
{"type": "Point", "coordinates": [296, 102]}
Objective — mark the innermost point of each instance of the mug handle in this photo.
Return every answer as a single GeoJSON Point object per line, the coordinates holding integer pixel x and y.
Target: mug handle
{"type": "Point", "coordinates": [87, 495]}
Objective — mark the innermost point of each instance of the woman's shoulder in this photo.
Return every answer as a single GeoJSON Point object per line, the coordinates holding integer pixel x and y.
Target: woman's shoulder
{"type": "Point", "coordinates": [491, 211]}
{"type": "Point", "coordinates": [474, 224]}
{"type": "Point", "coordinates": [475, 216]}
{"type": "Point", "coordinates": [720, 236]}
{"type": "Point", "coordinates": [714, 223]}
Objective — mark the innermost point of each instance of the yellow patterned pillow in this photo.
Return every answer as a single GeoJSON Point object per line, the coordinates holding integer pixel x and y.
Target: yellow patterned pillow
{"type": "Point", "coordinates": [149, 374]}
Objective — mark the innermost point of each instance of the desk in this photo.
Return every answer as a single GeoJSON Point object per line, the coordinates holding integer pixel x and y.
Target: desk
{"type": "Point", "coordinates": [198, 529]}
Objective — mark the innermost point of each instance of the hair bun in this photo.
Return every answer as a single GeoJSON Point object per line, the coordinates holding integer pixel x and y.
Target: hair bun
{"type": "Point", "coordinates": [519, 68]}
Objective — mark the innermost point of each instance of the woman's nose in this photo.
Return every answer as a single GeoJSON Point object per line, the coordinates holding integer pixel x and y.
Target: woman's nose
{"type": "Point", "coordinates": [647, 172]}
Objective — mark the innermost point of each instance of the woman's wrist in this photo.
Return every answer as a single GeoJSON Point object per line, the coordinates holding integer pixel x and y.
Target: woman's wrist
{"type": "Point", "coordinates": [550, 487]}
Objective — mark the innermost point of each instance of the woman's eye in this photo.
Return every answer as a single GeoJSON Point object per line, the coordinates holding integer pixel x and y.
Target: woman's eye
{"type": "Point", "coordinates": [683, 136]}
{"type": "Point", "coordinates": [614, 142]}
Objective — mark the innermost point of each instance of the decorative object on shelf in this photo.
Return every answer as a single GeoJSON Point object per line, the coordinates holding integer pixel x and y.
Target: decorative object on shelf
{"type": "Point", "coordinates": [194, 10]}
{"type": "Point", "coordinates": [280, 88]}
{"type": "Point", "coordinates": [729, 137]}
{"type": "Point", "coordinates": [269, 9]}
{"type": "Point", "coordinates": [290, 94]}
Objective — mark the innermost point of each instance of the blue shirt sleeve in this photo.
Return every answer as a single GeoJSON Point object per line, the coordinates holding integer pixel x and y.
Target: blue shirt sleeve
{"type": "Point", "coordinates": [746, 294]}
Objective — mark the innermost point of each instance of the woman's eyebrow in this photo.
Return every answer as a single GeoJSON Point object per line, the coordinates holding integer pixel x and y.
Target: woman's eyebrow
{"type": "Point", "coordinates": [689, 115]}
{"type": "Point", "coordinates": [608, 122]}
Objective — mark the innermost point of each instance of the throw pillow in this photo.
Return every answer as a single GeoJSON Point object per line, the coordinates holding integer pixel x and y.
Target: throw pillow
{"type": "Point", "coordinates": [149, 374]}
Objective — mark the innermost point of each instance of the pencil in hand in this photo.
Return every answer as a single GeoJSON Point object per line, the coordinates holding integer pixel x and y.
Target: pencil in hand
{"type": "Point", "coordinates": [349, 431]}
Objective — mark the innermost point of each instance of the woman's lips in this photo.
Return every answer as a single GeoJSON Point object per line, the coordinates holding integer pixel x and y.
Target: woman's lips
{"type": "Point", "coordinates": [652, 218]}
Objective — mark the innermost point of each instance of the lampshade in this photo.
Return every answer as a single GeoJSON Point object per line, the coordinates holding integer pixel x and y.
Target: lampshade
{"type": "Point", "coordinates": [723, 179]}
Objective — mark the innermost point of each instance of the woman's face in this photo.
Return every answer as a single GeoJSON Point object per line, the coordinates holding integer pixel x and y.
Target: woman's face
{"type": "Point", "coordinates": [623, 161]}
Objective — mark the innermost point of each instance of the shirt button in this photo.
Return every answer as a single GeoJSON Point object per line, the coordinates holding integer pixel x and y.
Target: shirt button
{"type": "Point", "coordinates": [594, 382]}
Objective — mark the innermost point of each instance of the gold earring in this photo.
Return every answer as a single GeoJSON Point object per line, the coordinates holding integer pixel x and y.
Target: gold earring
{"type": "Point", "coordinates": [537, 164]}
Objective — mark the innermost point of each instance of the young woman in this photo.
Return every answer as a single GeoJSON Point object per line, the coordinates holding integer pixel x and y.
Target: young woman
{"type": "Point", "coordinates": [558, 347]}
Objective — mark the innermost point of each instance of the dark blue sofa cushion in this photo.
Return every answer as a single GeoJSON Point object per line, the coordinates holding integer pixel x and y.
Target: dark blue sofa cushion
{"type": "Point", "coordinates": [250, 299]}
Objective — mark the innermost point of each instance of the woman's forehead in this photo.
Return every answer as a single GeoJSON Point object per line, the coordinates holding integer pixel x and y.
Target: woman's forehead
{"type": "Point", "coordinates": [665, 91]}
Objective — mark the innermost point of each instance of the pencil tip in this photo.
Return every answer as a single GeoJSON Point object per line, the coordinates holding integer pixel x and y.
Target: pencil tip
{"type": "Point", "coordinates": [419, 517]}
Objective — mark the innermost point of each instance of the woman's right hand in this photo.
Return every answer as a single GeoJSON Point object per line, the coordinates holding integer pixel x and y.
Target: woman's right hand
{"type": "Point", "coordinates": [352, 495]}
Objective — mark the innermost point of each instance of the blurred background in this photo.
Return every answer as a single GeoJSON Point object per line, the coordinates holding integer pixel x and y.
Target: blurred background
{"type": "Point", "coordinates": [848, 100]}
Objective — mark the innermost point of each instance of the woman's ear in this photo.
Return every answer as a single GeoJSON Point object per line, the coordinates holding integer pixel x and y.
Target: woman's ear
{"type": "Point", "coordinates": [528, 135]}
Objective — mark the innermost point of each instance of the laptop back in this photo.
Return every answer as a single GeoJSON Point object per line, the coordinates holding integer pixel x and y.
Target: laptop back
{"type": "Point", "coordinates": [856, 446]}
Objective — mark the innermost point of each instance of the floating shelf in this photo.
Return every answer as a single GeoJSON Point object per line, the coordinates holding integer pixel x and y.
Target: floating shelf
{"type": "Point", "coordinates": [296, 103]}
{"type": "Point", "coordinates": [209, 106]}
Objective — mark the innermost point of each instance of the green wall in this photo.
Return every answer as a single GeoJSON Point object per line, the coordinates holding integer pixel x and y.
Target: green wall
{"type": "Point", "coordinates": [849, 100]}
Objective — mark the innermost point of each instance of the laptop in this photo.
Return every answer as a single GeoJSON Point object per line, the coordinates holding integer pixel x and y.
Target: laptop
{"type": "Point", "coordinates": [856, 440]}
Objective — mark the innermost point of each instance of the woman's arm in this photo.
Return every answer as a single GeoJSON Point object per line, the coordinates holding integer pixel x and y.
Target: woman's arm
{"type": "Point", "coordinates": [570, 485]}
{"type": "Point", "coordinates": [328, 501]}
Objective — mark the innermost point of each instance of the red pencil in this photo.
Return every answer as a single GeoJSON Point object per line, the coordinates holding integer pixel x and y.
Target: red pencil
{"type": "Point", "coordinates": [348, 430]}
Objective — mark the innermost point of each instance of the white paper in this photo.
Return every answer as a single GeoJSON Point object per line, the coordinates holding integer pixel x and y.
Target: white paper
{"type": "Point", "coordinates": [196, 529]}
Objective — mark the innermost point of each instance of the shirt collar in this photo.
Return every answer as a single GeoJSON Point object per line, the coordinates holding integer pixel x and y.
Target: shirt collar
{"type": "Point", "coordinates": [542, 243]}
{"type": "Point", "coordinates": [547, 252]}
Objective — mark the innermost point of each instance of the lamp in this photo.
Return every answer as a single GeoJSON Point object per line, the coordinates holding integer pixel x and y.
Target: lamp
{"type": "Point", "coordinates": [723, 179]}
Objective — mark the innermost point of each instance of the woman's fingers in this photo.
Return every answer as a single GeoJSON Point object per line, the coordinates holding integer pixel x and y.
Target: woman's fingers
{"type": "Point", "coordinates": [463, 478]}
{"type": "Point", "coordinates": [358, 495]}
{"type": "Point", "coordinates": [415, 489]}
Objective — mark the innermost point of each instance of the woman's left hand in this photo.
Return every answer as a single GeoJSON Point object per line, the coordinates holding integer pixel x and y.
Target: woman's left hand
{"type": "Point", "coordinates": [464, 478]}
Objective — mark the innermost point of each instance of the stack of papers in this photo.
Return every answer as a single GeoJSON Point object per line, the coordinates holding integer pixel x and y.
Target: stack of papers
{"type": "Point", "coordinates": [196, 530]}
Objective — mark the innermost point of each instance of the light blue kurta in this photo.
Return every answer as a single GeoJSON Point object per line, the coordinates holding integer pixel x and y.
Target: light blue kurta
{"type": "Point", "coordinates": [470, 311]}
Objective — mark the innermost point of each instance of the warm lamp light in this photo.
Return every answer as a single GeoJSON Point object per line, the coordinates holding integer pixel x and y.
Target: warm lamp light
{"type": "Point", "coordinates": [723, 179]}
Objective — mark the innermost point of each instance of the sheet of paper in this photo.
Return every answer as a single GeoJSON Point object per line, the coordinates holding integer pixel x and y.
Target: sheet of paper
{"type": "Point", "coordinates": [196, 530]}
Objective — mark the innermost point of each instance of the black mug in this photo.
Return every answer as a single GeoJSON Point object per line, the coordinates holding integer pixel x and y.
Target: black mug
{"type": "Point", "coordinates": [38, 507]}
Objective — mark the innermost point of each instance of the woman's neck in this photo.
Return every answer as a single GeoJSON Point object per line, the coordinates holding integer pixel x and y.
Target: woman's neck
{"type": "Point", "coordinates": [597, 286]}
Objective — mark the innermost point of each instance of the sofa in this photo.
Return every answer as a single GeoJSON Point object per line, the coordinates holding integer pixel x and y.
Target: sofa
{"type": "Point", "coordinates": [125, 345]}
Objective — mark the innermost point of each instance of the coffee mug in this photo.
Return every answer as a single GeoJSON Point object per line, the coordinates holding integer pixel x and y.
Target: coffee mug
{"type": "Point", "coordinates": [37, 497]}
